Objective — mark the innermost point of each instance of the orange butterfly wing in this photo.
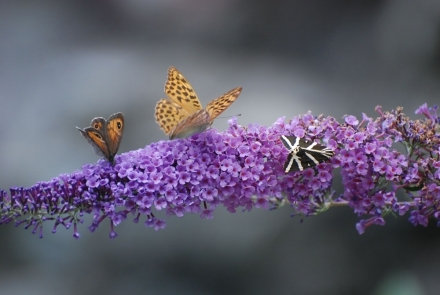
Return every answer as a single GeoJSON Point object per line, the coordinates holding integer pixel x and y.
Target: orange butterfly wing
{"type": "Point", "coordinates": [218, 105]}
{"type": "Point", "coordinates": [96, 139]}
{"type": "Point", "coordinates": [115, 130]}
{"type": "Point", "coordinates": [168, 115]}
{"type": "Point", "coordinates": [178, 89]}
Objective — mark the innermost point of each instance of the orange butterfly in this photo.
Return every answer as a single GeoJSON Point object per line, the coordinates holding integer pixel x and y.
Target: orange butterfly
{"type": "Point", "coordinates": [105, 135]}
{"type": "Point", "coordinates": [182, 115]}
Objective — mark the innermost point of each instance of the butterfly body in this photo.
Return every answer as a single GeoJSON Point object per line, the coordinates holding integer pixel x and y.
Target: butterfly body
{"type": "Point", "coordinates": [304, 153]}
{"type": "Point", "coordinates": [181, 115]}
{"type": "Point", "coordinates": [105, 135]}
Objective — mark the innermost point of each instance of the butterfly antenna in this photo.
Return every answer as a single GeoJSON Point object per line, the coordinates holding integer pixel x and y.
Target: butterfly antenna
{"type": "Point", "coordinates": [227, 117]}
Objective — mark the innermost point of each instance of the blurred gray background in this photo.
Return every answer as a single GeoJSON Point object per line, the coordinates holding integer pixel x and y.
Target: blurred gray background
{"type": "Point", "coordinates": [64, 62]}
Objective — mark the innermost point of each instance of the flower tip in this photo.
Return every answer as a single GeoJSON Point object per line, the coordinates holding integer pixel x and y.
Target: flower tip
{"type": "Point", "coordinates": [207, 214]}
{"type": "Point", "coordinates": [360, 227]}
{"type": "Point", "coordinates": [351, 120]}
{"type": "Point", "coordinates": [159, 224]}
{"type": "Point", "coordinates": [232, 121]}
{"type": "Point", "coordinates": [422, 109]}
{"type": "Point", "coordinates": [92, 228]}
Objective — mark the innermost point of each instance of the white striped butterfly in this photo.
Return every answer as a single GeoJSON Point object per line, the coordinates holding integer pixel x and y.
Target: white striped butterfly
{"type": "Point", "coordinates": [304, 153]}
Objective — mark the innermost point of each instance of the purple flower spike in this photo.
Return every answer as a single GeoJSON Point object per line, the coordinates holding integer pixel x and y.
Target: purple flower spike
{"type": "Point", "coordinates": [242, 168]}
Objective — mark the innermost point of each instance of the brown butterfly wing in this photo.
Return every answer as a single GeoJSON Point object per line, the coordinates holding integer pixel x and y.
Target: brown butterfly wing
{"type": "Point", "coordinates": [115, 130]}
{"type": "Point", "coordinates": [196, 123]}
{"type": "Point", "coordinates": [178, 89]}
{"type": "Point", "coordinates": [218, 105]}
{"type": "Point", "coordinates": [169, 115]}
{"type": "Point", "coordinates": [96, 140]}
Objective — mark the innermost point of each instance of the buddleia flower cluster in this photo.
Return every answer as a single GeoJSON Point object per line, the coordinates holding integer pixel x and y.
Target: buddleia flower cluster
{"type": "Point", "coordinates": [242, 169]}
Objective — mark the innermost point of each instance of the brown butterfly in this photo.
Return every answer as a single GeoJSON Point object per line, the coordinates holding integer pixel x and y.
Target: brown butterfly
{"type": "Point", "coordinates": [105, 135]}
{"type": "Point", "coordinates": [182, 115]}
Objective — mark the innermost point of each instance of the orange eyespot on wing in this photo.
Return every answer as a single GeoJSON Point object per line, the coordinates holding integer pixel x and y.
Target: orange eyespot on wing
{"type": "Point", "coordinates": [218, 105]}
{"type": "Point", "coordinates": [98, 123]}
{"type": "Point", "coordinates": [178, 89]}
{"type": "Point", "coordinates": [115, 123]}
